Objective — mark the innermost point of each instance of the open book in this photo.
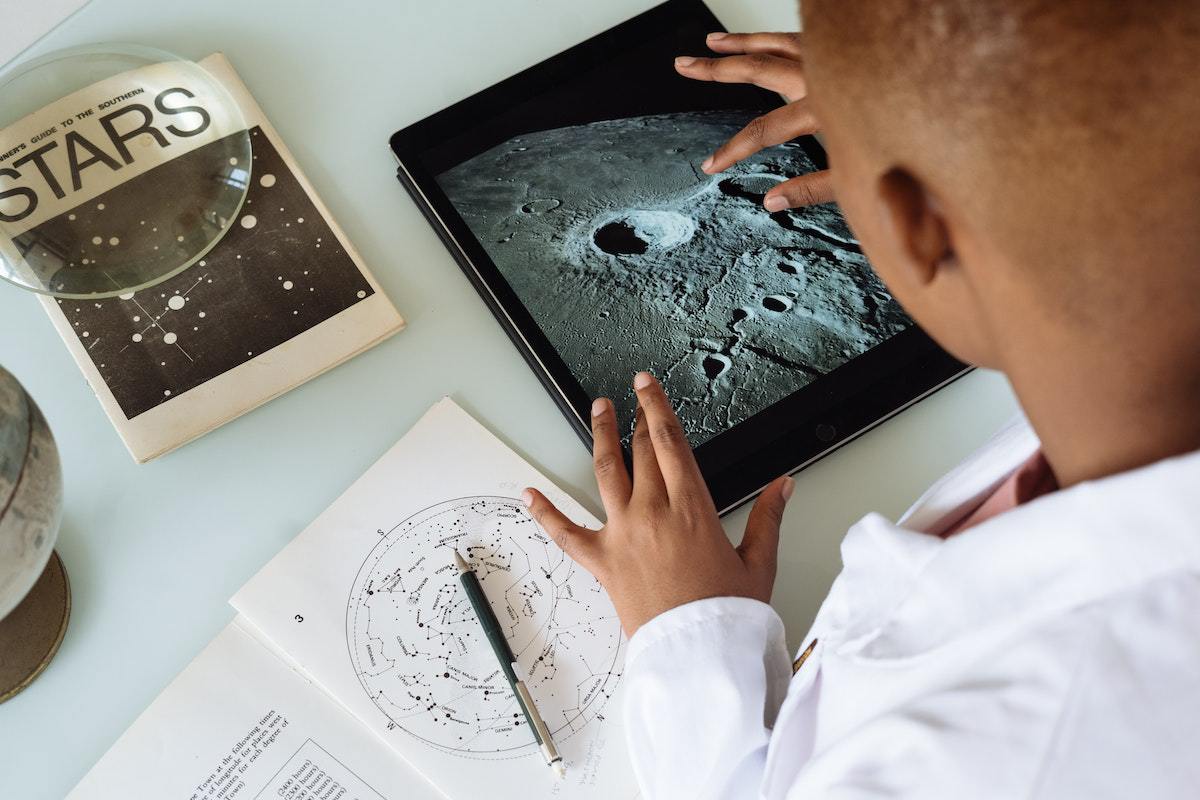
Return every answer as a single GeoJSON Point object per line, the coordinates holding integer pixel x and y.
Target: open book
{"type": "Point", "coordinates": [356, 667]}
{"type": "Point", "coordinates": [282, 297]}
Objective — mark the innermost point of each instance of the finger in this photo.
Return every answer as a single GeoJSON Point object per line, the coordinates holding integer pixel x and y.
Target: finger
{"type": "Point", "coordinates": [607, 459]}
{"type": "Point", "coordinates": [647, 477]}
{"type": "Point", "coordinates": [580, 544]}
{"type": "Point", "coordinates": [759, 549]}
{"type": "Point", "coordinates": [775, 127]}
{"type": "Point", "coordinates": [806, 190]}
{"type": "Point", "coordinates": [675, 459]}
{"type": "Point", "coordinates": [768, 72]}
{"type": "Point", "coordinates": [784, 45]}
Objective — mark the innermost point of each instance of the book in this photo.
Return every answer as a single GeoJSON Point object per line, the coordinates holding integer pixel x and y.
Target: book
{"type": "Point", "coordinates": [355, 667]}
{"type": "Point", "coordinates": [281, 298]}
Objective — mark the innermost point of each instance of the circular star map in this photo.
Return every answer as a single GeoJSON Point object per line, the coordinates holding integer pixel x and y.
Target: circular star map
{"type": "Point", "coordinates": [421, 655]}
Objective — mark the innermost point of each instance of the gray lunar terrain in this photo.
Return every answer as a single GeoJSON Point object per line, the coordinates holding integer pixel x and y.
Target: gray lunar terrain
{"type": "Point", "coordinates": [629, 257]}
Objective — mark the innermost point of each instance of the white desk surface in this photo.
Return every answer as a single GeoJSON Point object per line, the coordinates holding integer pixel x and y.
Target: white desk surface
{"type": "Point", "coordinates": [154, 551]}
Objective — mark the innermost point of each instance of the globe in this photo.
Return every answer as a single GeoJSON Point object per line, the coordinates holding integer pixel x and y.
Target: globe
{"type": "Point", "coordinates": [30, 512]}
{"type": "Point", "coordinates": [30, 493]}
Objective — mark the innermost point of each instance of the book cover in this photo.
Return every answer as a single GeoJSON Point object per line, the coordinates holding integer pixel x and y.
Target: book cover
{"type": "Point", "coordinates": [281, 298]}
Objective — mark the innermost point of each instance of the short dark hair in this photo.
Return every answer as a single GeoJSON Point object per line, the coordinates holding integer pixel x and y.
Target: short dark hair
{"type": "Point", "coordinates": [1099, 99]}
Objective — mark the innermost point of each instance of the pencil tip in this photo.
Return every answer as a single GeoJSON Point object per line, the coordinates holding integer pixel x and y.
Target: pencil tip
{"type": "Point", "coordinates": [460, 562]}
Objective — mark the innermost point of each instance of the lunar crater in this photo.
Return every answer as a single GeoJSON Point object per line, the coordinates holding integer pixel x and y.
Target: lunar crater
{"type": "Point", "coordinates": [715, 365]}
{"type": "Point", "coordinates": [638, 231]}
{"type": "Point", "coordinates": [777, 303]}
{"type": "Point", "coordinates": [650, 264]}
{"type": "Point", "coordinates": [541, 206]}
{"type": "Point", "coordinates": [753, 186]}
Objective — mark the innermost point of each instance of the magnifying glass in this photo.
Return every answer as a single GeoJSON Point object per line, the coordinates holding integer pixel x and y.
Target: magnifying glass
{"type": "Point", "coordinates": [120, 167]}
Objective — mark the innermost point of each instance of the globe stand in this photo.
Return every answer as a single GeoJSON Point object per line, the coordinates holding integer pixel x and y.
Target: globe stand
{"type": "Point", "coordinates": [31, 633]}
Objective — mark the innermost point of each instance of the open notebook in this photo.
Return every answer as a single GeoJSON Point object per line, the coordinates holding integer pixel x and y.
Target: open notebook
{"type": "Point", "coordinates": [356, 667]}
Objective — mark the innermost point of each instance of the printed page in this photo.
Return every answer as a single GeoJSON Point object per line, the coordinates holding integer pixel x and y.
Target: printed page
{"type": "Point", "coordinates": [281, 298]}
{"type": "Point", "coordinates": [368, 602]}
{"type": "Point", "coordinates": [239, 724]}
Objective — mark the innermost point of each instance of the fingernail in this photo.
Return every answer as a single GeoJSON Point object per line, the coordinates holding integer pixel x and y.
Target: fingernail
{"type": "Point", "coordinates": [707, 165]}
{"type": "Point", "coordinates": [775, 202]}
{"type": "Point", "coordinates": [684, 61]}
{"type": "Point", "coordinates": [714, 37]}
{"type": "Point", "coordinates": [642, 380]}
{"type": "Point", "coordinates": [789, 486]}
{"type": "Point", "coordinates": [527, 498]}
{"type": "Point", "coordinates": [599, 406]}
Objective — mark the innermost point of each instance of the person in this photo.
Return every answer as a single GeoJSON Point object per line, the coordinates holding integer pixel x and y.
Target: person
{"type": "Point", "coordinates": [1024, 176]}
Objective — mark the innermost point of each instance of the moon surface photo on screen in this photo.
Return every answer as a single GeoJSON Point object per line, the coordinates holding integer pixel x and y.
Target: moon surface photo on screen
{"type": "Point", "coordinates": [629, 258]}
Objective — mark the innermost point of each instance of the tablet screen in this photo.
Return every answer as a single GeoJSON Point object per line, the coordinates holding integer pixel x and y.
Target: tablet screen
{"type": "Point", "coordinates": [572, 197]}
{"type": "Point", "coordinates": [628, 257]}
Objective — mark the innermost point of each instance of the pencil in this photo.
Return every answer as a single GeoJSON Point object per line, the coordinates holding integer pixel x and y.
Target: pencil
{"type": "Point", "coordinates": [508, 665]}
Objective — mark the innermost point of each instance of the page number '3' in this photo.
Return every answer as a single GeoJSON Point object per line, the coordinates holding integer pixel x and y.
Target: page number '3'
{"type": "Point", "coordinates": [298, 618]}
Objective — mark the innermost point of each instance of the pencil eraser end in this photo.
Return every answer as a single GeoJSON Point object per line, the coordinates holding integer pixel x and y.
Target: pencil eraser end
{"type": "Point", "coordinates": [559, 769]}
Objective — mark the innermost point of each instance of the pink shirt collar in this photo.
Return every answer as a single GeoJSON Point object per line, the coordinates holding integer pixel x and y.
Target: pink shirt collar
{"type": "Point", "coordinates": [1030, 480]}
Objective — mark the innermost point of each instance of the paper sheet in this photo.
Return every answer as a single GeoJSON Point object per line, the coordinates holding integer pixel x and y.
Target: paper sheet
{"type": "Point", "coordinates": [239, 724]}
{"type": "Point", "coordinates": [367, 602]}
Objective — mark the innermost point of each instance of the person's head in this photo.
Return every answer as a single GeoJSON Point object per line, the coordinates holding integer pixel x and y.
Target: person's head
{"type": "Point", "coordinates": [1023, 174]}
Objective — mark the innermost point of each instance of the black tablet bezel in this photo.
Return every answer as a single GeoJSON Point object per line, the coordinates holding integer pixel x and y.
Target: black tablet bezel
{"type": "Point", "coordinates": [738, 463]}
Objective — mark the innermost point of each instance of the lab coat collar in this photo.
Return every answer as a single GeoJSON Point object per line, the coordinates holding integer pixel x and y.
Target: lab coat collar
{"type": "Point", "coordinates": [906, 592]}
{"type": "Point", "coordinates": [962, 489]}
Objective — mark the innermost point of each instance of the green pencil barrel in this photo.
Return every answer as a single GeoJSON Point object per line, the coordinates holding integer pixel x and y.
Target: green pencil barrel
{"type": "Point", "coordinates": [491, 626]}
{"type": "Point", "coordinates": [499, 642]}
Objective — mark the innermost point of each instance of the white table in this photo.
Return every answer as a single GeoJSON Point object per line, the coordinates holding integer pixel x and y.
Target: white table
{"type": "Point", "coordinates": [154, 551]}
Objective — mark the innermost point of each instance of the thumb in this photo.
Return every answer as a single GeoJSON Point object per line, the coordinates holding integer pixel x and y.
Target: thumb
{"type": "Point", "coordinates": [578, 543]}
{"type": "Point", "coordinates": [759, 549]}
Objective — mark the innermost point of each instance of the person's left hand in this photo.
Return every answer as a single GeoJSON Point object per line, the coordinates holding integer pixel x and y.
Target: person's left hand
{"type": "Point", "coordinates": [663, 544]}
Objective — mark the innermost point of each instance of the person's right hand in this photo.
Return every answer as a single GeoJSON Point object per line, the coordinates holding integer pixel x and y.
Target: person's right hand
{"type": "Point", "coordinates": [772, 61]}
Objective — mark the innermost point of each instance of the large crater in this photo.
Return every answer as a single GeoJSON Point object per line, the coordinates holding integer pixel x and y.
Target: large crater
{"type": "Point", "coordinates": [638, 231]}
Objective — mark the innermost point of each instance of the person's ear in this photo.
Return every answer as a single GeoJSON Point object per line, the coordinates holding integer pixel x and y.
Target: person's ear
{"type": "Point", "coordinates": [913, 222]}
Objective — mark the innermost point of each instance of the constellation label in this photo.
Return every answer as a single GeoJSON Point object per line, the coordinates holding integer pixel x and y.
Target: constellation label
{"type": "Point", "coordinates": [422, 658]}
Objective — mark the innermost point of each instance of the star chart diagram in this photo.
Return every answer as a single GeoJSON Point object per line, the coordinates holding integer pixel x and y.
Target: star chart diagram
{"type": "Point", "coordinates": [279, 271]}
{"type": "Point", "coordinates": [423, 659]}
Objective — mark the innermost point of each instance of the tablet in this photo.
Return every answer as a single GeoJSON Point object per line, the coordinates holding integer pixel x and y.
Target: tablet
{"type": "Point", "coordinates": [571, 196]}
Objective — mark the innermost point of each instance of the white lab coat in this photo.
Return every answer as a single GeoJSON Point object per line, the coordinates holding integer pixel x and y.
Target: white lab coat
{"type": "Point", "coordinates": [1050, 652]}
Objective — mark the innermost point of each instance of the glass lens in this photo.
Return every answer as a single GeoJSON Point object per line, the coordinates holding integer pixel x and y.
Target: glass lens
{"type": "Point", "coordinates": [120, 166]}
